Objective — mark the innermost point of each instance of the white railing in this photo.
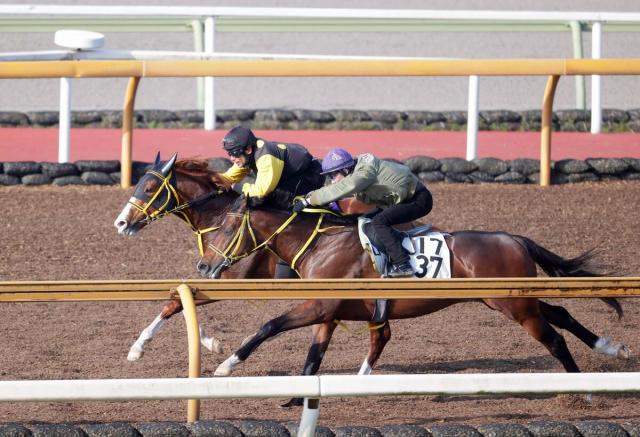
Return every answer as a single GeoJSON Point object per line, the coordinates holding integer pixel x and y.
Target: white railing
{"type": "Point", "coordinates": [313, 388]}
{"type": "Point", "coordinates": [206, 21]}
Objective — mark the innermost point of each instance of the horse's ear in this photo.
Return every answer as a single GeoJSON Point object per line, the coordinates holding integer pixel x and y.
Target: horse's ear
{"type": "Point", "coordinates": [169, 165]}
{"type": "Point", "coordinates": [157, 162]}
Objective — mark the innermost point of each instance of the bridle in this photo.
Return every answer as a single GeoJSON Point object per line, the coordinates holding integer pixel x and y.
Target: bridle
{"type": "Point", "coordinates": [173, 205]}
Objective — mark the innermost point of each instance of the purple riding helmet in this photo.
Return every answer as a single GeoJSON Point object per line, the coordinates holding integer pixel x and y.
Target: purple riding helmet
{"type": "Point", "coordinates": [337, 159]}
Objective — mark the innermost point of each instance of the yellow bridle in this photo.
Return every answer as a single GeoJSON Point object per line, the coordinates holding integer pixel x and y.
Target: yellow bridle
{"type": "Point", "coordinates": [162, 211]}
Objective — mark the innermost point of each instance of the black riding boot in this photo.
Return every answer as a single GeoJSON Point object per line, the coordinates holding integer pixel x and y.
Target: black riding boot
{"type": "Point", "coordinates": [380, 311]}
{"type": "Point", "coordinates": [284, 271]}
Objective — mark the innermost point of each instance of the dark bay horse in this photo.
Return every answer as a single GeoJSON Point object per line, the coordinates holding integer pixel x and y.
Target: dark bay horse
{"type": "Point", "coordinates": [192, 185]}
{"type": "Point", "coordinates": [338, 254]}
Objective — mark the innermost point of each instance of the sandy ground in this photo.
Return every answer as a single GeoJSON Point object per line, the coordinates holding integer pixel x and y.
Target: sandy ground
{"type": "Point", "coordinates": [52, 233]}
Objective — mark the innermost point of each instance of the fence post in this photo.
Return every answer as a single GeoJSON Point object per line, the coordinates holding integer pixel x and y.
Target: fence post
{"type": "Point", "coordinates": [472, 118]}
{"type": "Point", "coordinates": [128, 124]}
{"type": "Point", "coordinates": [546, 130]}
{"type": "Point", "coordinates": [193, 335]}
{"type": "Point", "coordinates": [64, 124]}
{"type": "Point", "coordinates": [309, 418]}
{"type": "Point", "coordinates": [596, 89]}
{"type": "Point", "coordinates": [209, 93]}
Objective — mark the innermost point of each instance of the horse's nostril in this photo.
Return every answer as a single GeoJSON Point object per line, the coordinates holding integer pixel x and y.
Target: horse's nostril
{"type": "Point", "coordinates": [202, 267]}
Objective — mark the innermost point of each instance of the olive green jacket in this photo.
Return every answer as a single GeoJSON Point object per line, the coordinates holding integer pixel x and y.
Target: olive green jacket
{"type": "Point", "coordinates": [382, 183]}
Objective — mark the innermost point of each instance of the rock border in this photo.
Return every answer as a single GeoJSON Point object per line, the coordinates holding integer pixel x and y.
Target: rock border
{"type": "Point", "coordinates": [430, 170]}
{"type": "Point", "coordinates": [255, 428]}
{"type": "Point", "coordinates": [613, 120]}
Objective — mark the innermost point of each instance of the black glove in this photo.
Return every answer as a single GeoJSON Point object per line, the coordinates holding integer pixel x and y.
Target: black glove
{"type": "Point", "coordinates": [299, 205]}
{"type": "Point", "coordinates": [253, 202]}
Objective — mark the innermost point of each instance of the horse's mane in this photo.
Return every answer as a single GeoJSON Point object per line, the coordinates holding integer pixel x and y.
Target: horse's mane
{"type": "Point", "coordinates": [199, 169]}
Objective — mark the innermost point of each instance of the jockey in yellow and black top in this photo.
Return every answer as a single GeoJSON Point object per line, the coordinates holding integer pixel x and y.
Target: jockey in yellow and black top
{"type": "Point", "coordinates": [282, 170]}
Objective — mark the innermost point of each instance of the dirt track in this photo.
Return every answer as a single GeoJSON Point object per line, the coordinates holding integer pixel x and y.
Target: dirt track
{"type": "Point", "coordinates": [66, 233]}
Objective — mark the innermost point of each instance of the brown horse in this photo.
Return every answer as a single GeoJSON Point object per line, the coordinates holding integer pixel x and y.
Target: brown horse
{"type": "Point", "coordinates": [338, 254]}
{"type": "Point", "coordinates": [166, 189]}
{"type": "Point", "coordinates": [192, 186]}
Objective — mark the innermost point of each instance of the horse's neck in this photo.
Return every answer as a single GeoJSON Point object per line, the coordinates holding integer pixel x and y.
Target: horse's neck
{"type": "Point", "coordinates": [203, 215]}
{"type": "Point", "coordinates": [288, 244]}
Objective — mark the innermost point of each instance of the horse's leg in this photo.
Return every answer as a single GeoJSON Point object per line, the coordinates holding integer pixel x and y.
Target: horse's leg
{"type": "Point", "coordinates": [320, 337]}
{"type": "Point", "coordinates": [170, 308]}
{"type": "Point", "coordinates": [560, 317]}
{"type": "Point", "coordinates": [378, 338]}
{"type": "Point", "coordinates": [305, 314]}
{"type": "Point", "coordinates": [527, 313]}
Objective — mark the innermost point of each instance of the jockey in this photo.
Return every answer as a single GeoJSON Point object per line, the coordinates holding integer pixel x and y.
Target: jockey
{"type": "Point", "coordinates": [392, 187]}
{"type": "Point", "coordinates": [282, 172]}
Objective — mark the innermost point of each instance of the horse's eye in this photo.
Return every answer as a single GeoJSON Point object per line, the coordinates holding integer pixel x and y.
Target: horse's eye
{"type": "Point", "coordinates": [149, 189]}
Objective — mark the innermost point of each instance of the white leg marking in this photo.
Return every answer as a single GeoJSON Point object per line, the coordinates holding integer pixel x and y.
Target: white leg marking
{"type": "Point", "coordinates": [365, 369]}
{"type": "Point", "coordinates": [211, 343]}
{"type": "Point", "coordinates": [227, 366]}
{"type": "Point", "coordinates": [606, 346]}
{"type": "Point", "coordinates": [147, 334]}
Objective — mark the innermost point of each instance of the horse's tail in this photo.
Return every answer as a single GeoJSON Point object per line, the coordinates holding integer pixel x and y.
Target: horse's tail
{"type": "Point", "coordinates": [557, 266]}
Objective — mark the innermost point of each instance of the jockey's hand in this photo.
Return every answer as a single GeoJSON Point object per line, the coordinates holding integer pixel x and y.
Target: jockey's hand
{"type": "Point", "coordinates": [299, 205]}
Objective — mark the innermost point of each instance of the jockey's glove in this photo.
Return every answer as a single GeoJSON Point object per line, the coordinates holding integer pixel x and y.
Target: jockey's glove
{"type": "Point", "coordinates": [299, 205]}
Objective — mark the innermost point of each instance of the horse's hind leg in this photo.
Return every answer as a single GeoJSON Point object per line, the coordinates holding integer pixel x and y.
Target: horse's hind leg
{"type": "Point", "coordinates": [304, 314]}
{"type": "Point", "coordinates": [170, 308]}
{"type": "Point", "coordinates": [527, 313]}
{"type": "Point", "coordinates": [379, 336]}
{"type": "Point", "coordinates": [560, 317]}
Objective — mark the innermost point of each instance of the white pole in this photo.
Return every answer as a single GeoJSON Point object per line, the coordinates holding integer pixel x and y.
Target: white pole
{"type": "Point", "coordinates": [209, 107]}
{"type": "Point", "coordinates": [596, 90]}
{"type": "Point", "coordinates": [472, 118]}
{"type": "Point", "coordinates": [309, 419]}
{"type": "Point", "coordinates": [64, 117]}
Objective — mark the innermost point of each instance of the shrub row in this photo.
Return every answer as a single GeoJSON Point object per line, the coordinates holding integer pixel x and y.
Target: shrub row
{"type": "Point", "coordinates": [452, 170]}
{"type": "Point", "coordinates": [255, 428]}
{"type": "Point", "coordinates": [614, 120]}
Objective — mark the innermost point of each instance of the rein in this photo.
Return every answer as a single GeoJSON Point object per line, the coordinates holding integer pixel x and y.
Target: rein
{"type": "Point", "coordinates": [230, 253]}
{"type": "Point", "coordinates": [178, 210]}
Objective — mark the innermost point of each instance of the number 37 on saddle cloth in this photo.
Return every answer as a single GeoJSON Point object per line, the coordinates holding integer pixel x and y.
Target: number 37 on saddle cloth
{"type": "Point", "coordinates": [427, 249]}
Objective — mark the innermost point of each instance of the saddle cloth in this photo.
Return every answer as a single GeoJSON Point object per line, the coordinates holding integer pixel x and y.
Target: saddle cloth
{"type": "Point", "coordinates": [428, 252]}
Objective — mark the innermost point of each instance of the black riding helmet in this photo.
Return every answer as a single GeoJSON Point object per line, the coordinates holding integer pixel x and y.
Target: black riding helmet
{"type": "Point", "coordinates": [238, 139]}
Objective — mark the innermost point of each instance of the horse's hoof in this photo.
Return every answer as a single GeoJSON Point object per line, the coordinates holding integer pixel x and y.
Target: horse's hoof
{"type": "Point", "coordinates": [135, 353]}
{"type": "Point", "coordinates": [217, 346]}
{"type": "Point", "coordinates": [222, 371]}
{"type": "Point", "coordinates": [293, 402]}
{"type": "Point", "coordinates": [624, 353]}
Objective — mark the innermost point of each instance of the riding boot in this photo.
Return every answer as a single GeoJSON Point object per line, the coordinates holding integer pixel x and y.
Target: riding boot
{"type": "Point", "coordinates": [284, 271]}
{"type": "Point", "coordinates": [380, 311]}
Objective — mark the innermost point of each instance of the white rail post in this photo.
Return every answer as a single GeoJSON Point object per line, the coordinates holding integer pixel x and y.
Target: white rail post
{"type": "Point", "coordinates": [309, 419]}
{"type": "Point", "coordinates": [76, 40]}
{"type": "Point", "coordinates": [596, 102]}
{"type": "Point", "coordinates": [209, 106]}
{"type": "Point", "coordinates": [472, 118]}
{"type": "Point", "coordinates": [64, 119]}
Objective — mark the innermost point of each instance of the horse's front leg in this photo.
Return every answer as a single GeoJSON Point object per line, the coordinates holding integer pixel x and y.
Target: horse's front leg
{"type": "Point", "coordinates": [170, 308]}
{"type": "Point", "coordinates": [320, 337]}
{"type": "Point", "coordinates": [306, 314]}
{"type": "Point", "coordinates": [379, 336]}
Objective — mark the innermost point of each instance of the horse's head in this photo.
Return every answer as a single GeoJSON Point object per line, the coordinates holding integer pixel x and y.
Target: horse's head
{"type": "Point", "coordinates": [153, 194]}
{"type": "Point", "coordinates": [176, 187]}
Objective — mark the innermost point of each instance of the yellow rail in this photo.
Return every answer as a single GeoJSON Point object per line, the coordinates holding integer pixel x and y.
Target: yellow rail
{"type": "Point", "coordinates": [319, 68]}
{"type": "Point", "coordinates": [271, 289]}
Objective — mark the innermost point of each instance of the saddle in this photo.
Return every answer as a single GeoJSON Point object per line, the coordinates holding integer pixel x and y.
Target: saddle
{"type": "Point", "coordinates": [428, 252]}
